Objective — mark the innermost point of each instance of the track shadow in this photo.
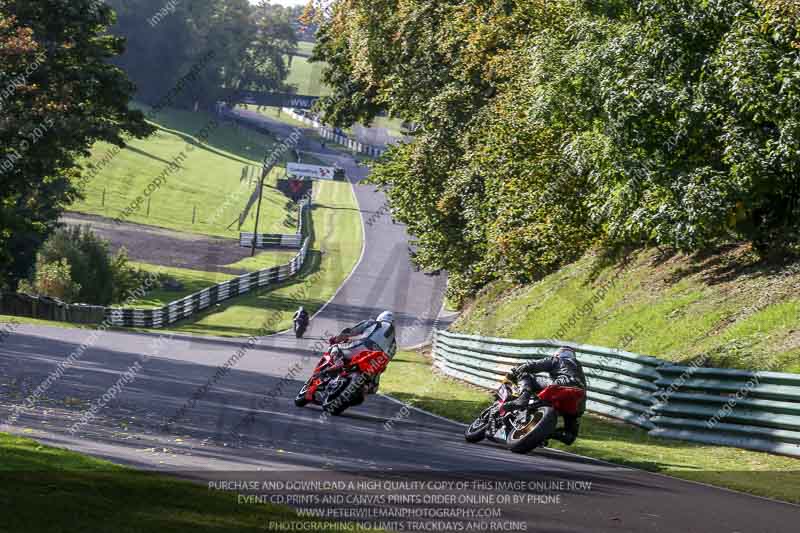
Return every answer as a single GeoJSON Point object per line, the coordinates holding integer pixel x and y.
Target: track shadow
{"type": "Point", "coordinates": [211, 146]}
{"type": "Point", "coordinates": [146, 154]}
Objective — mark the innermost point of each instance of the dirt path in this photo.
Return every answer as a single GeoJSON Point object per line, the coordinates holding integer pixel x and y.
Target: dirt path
{"type": "Point", "coordinates": [159, 246]}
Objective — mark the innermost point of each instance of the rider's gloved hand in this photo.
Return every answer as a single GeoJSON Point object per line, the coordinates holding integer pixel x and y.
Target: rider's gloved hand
{"type": "Point", "coordinates": [512, 375]}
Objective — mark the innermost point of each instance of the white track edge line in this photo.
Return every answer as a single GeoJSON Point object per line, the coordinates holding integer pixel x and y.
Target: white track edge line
{"type": "Point", "coordinates": [352, 272]}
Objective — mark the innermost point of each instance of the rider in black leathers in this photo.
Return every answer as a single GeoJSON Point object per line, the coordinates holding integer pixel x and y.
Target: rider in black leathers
{"type": "Point", "coordinates": [302, 315]}
{"type": "Point", "coordinates": [565, 370]}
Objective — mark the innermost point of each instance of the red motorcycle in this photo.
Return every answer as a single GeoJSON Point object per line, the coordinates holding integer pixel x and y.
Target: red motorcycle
{"type": "Point", "coordinates": [522, 430]}
{"type": "Point", "coordinates": [338, 382]}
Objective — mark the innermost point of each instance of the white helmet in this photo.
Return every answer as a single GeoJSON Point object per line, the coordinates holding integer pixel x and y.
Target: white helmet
{"type": "Point", "coordinates": [386, 316]}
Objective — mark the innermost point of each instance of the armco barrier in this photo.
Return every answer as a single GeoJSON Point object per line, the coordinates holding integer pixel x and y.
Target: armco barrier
{"type": "Point", "coordinates": [174, 311]}
{"type": "Point", "coordinates": [185, 307]}
{"type": "Point", "coordinates": [53, 309]}
{"type": "Point", "coordinates": [273, 240]}
{"type": "Point", "coordinates": [620, 383]}
{"type": "Point", "coordinates": [753, 410]}
{"type": "Point", "coordinates": [269, 240]}
{"type": "Point", "coordinates": [330, 134]}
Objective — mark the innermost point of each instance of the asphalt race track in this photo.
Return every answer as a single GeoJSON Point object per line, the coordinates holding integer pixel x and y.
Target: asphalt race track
{"type": "Point", "coordinates": [182, 414]}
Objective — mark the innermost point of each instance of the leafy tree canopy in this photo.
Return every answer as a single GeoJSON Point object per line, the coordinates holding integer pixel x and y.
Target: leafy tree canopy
{"type": "Point", "coordinates": [249, 46]}
{"type": "Point", "coordinates": [550, 126]}
{"type": "Point", "coordinates": [59, 94]}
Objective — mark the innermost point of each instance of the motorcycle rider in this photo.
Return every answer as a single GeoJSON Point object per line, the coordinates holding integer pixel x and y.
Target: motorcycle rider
{"type": "Point", "coordinates": [378, 335]}
{"type": "Point", "coordinates": [302, 315]}
{"type": "Point", "coordinates": [563, 369]}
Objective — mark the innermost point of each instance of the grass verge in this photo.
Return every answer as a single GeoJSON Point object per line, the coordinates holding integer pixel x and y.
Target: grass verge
{"type": "Point", "coordinates": [335, 225]}
{"type": "Point", "coordinates": [59, 491]}
{"type": "Point", "coordinates": [12, 319]}
{"type": "Point", "coordinates": [274, 113]}
{"type": "Point", "coordinates": [739, 312]}
{"type": "Point", "coordinates": [196, 280]}
{"type": "Point", "coordinates": [412, 379]}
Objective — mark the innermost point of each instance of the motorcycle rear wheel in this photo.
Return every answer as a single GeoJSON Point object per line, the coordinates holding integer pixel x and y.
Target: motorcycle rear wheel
{"type": "Point", "coordinates": [539, 426]}
{"type": "Point", "coordinates": [476, 431]}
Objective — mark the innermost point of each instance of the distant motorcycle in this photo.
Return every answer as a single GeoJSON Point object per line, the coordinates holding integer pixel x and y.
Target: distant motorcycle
{"type": "Point", "coordinates": [337, 384]}
{"type": "Point", "coordinates": [300, 327]}
{"type": "Point", "coordinates": [522, 430]}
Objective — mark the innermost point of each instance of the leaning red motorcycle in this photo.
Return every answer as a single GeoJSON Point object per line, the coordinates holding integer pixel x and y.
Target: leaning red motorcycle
{"type": "Point", "coordinates": [338, 383]}
{"type": "Point", "coordinates": [522, 430]}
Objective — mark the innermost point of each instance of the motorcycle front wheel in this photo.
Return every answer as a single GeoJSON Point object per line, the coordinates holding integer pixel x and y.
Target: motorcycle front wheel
{"type": "Point", "coordinates": [300, 400]}
{"type": "Point", "coordinates": [476, 432]}
{"type": "Point", "coordinates": [536, 428]}
{"type": "Point", "coordinates": [336, 401]}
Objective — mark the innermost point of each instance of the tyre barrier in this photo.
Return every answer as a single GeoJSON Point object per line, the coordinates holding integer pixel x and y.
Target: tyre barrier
{"type": "Point", "coordinates": [751, 410]}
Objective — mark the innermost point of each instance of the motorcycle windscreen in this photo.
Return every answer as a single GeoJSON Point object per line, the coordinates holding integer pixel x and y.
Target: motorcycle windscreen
{"type": "Point", "coordinates": [566, 400]}
{"type": "Point", "coordinates": [503, 392]}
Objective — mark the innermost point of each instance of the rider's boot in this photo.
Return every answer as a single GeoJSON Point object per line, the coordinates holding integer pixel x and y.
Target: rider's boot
{"type": "Point", "coordinates": [569, 432]}
{"type": "Point", "coordinates": [372, 386]}
{"type": "Point", "coordinates": [564, 436]}
{"type": "Point", "coordinates": [521, 402]}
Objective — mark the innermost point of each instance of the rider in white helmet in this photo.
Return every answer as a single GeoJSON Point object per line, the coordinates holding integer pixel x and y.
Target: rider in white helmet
{"type": "Point", "coordinates": [378, 334]}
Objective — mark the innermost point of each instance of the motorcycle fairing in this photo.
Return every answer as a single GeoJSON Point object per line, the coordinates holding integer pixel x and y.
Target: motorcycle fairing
{"type": "Point", "coordinates": [566, 400]}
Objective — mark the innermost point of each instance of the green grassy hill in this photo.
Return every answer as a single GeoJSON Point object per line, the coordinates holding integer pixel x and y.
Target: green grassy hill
{"type": "Point", "coordinates": [739, 312]}
{"type": "Point", "coordinates": [207, 188]}
{"type": "Point", "coordinates": [307, 76]}
{"type": "Point", "coordinates": [210, 179]}
{"type": "Point", "coordinates": [304, 48]}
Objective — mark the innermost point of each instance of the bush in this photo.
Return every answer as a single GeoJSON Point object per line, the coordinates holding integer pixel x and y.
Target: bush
{"type": "Point", "coordinates": [78, 255]}
{"type": "Point", "coordinates": [89, 258]}
{"type": "Point", "coordinates": [53, 280]}
{"type": "Point", "coordinates": [126, 278]}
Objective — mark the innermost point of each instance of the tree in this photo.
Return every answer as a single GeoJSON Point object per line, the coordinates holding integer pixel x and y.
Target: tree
{"type": "Point", "coordinates": [89, 260]}
{"type": "Point", "coordinates": [60, 96]}
{"type": "Point", "coordinates": [250, 44]}
{"type": "Point", "coordinates": [92, 275]}
{"type": "Point", "coordinates": [547, 127]}
{"type": "Point", "coordinates": [53, 280]}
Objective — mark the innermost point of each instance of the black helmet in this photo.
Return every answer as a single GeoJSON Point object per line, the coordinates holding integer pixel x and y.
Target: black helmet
{"type": "Point", "coordinates": [565, 352]}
